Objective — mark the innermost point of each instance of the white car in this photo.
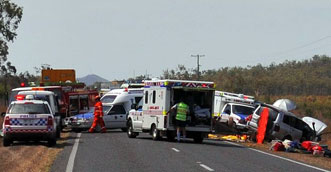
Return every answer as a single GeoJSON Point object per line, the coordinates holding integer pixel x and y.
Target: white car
{"type": "Point", "coordinates": [29, 120]}
{"type": "Point", "coordinates": [114, 117]}
{"type": "Point", "coordinates": [235, 114]}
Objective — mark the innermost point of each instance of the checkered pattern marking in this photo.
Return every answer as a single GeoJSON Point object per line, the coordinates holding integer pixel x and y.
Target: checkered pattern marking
{"type": "Point", "coordinates": [15, 121]}
{"type": "Point", "coordinates": [41, 121]}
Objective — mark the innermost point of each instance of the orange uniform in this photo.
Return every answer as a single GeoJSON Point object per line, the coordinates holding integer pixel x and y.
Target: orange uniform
{"type": "Point", "coordinates": [98, 117]}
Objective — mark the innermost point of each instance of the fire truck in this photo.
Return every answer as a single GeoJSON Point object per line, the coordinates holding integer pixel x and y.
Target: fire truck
{"type": "Point", "coordinates": [151, 113]}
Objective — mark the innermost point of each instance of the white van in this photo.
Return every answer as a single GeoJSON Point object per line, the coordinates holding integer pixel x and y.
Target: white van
{"type": "Point", "coordinates": [116, 105]}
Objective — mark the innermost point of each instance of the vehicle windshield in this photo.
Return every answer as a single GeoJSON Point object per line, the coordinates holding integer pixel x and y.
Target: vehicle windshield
{"type": "Point", "coordinates": [108, 99]}
{"type": "Point", "coordinates": [106, 109]}
{"type": "Point", "coordinates": [244, 110]}
{"type": "Point", "coordinates": [29, 109]}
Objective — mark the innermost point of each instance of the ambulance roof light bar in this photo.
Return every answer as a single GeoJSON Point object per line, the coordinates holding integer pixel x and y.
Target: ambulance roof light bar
{"type": "Point", "coordinates": [232, 97]}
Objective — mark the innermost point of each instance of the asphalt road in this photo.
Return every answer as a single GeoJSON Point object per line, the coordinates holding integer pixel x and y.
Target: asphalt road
{"type": "Point", "coordinates": [114, 151]}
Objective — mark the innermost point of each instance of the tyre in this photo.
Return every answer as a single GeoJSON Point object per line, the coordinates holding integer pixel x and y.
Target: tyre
{"type": "Point", "coordinates": [288, 137]}
{"type": "Point", "coordinates": [58, 132]}
{"type": "Point", "coordinates": [76, 130]}
{"type": "Point", "coordinates": [155, 133]}
{"type": "Point", "coordinates": [230, 122]}
{"type": "Point", "coordinates": [124, 129]}
{"type": "Point", "coordinates": [198, 138]}
{"type": "Point", "coordinates": [51, 142]}
{"type": "Point", "coordinates": [171, 136]}
{"type": "Point", "coordinates": [6, 141]}
{"type": "Point", "coordinates": [130, 132]}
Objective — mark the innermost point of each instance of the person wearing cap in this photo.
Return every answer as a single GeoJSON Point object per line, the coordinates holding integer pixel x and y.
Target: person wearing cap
{"type": "Point", "coordinates": [98, 116]}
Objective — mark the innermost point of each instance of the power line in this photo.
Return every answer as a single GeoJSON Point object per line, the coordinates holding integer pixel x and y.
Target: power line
{"type": "Point", "coordinates": [301, 46]}
{"type": "Point", "coordinates": [198, 63]}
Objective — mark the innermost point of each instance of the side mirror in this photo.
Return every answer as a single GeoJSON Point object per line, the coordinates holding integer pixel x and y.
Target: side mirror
{"type": "Point", "coordinates": [133, 106]}
{"type": "Point", "coordinates": [3, 114]}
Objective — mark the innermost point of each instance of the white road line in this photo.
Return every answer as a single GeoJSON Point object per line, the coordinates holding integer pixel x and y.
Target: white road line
{"type": "Point", "coordinates": [176, 150]}
{"type": "Point", "coordinates": [286, 159]}
{"type": "Point", "coordinates": [70, 165]}
{"type": "Point", "coordinates": [206, 167]}
{"type": "Point", "coordinates": [300, 163]}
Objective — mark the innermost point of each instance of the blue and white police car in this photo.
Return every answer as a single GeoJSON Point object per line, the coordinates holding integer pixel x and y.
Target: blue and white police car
{"type": "Point", "coordinates": [29, 120]}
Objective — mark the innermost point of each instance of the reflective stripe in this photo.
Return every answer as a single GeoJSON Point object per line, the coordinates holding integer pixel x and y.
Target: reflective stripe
{"type": "Point", "coordinates": [182, 110]}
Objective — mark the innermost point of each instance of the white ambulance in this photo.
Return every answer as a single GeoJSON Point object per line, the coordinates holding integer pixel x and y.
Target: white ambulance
{"type": "Point", "coordinates": [232, 108]}
{"type": "Point", "coordinates": [151, 116]}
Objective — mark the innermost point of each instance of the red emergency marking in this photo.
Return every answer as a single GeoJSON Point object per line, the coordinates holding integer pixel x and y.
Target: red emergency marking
{"type": "Point", "coordinates": [153, 107]}
{"type": "Point", "coordinates": [152, 112]}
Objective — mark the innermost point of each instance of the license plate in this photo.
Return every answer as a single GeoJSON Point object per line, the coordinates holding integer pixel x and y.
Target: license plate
{"type": "Point", "coordinates": [28, 121]}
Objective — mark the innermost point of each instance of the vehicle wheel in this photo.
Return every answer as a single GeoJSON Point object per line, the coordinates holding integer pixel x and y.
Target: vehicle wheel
{"type": "Point", "coordinates": [6, 141]}
{"type": "Point", "coordinates": [198, 138]}
{"type": "Point", "coordinates": [58, 132]}
{"type": "Point", "coordinates": [288, 137]}
{"type": "Point", "coordinates": [76, 130]}
{"type": "Point", "coordinates": [130, 132]}
{"type": "Point", "coordinates": [52, 142]}
{"type": "Point", "coordinates": [124, 129]}
{"type": "Point", "coordinates": [171, 136]}
{"type": "Point", "coordinates": [155, 133]}
{"type": "Point", "coordinates": [230, 122]}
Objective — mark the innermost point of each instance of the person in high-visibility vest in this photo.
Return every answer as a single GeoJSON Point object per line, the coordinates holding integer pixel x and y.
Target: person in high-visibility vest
{"type": "Point", "coordinates": [98, 116]}
{"type": "Point", "coordinates": [181, 116]}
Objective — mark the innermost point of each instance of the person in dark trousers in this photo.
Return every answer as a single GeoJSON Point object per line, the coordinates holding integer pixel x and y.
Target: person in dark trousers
{"type": "Point", "coordinates": [98, 116]}
{"type": "Point", "coordinates": [182, 110]}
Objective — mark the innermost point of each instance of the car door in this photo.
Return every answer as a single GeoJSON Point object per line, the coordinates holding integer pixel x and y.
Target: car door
{"type": "Point", "coordinates": [226, 113]}
{"type": "Point", "coordinates": [116, 117]}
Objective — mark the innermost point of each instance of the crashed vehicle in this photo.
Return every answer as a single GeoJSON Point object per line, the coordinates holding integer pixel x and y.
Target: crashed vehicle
{"type": "Point", "coordinates": [116, 105]}
{"type": "Point", "coordinates": [232, 108]}
{"type": "Point", "coordinates": [83, 121]}
{"type": "Point", "coordinates": [285, 125]}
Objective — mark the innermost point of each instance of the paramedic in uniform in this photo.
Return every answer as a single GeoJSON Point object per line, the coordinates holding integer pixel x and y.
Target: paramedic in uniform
{"type": "Point", "coordinates": [181, 115]}
{"type": "Point", "coordinates": [98, 116]}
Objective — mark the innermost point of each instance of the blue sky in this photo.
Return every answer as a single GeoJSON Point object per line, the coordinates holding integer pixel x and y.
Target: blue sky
{"type": "Point", "coordinates": [123, 38]}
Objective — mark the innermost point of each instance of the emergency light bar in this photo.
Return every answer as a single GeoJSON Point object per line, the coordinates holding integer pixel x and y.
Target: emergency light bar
{"type": "Point", "coordinates": [180, 83]}
{"type": "Point", "coordinates": [233, 97]}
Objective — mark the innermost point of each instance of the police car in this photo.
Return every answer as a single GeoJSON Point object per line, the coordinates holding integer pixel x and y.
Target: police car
{"type": "Point", "coordinates": [29, 120]}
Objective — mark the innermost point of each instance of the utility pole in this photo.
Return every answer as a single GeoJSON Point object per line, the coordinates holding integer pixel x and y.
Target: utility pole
{"type": "Point", "coordinates": [198, 63]}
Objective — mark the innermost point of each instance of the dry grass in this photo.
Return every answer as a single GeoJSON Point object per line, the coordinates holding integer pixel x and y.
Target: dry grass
{"type": "Point", "coordinates": [32, 157]}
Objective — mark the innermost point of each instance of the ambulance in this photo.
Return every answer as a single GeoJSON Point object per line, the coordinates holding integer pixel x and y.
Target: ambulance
{"type": "Point", "coordinates": [232, 108]}
{"type": "Point", "coordinates": [151, 113]}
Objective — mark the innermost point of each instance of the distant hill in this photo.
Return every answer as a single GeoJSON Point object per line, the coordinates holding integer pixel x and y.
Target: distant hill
{"type": "Point", "coordinates": [91, 79]}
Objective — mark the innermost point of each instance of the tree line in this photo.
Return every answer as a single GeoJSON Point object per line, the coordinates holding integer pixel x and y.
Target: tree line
{"type": "Point", "coordinates": [307, 77]}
